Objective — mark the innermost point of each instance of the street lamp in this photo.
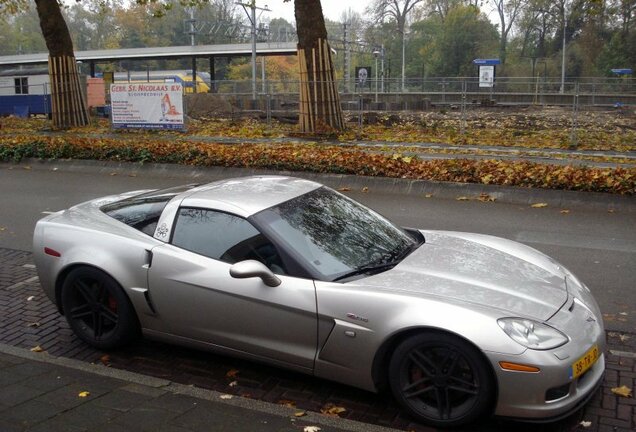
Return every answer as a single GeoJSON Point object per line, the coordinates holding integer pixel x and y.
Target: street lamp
{"type": "Point", "coordinates": [376, 54]}
{"type": "Point", "coordinates": [382, 69]}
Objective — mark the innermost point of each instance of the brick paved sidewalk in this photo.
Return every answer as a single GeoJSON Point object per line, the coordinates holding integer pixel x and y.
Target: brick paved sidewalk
{"type": "Point", "coordinates": [41, 393]}
{"type": "Point", "coordinates": [28, 319]}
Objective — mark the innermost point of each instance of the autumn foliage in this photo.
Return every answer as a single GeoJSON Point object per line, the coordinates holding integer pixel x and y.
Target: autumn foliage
{"type": "Point", "coordinates": [316, 158]}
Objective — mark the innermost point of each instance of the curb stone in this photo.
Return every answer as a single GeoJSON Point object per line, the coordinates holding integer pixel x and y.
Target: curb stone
{"type": "Point", "coordinates": [396, 186]}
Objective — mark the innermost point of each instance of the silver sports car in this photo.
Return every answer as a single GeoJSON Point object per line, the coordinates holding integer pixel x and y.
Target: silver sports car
{"type": "Point", "coordinates": [287, 271]}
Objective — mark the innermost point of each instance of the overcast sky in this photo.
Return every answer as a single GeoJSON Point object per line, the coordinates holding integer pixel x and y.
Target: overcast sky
{"type": "Point", "coordinates": [331, 9]}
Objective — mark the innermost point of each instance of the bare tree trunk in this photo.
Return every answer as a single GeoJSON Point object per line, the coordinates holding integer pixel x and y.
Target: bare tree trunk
{"type": "Point", "coordinates": [320, 109]}
{"type": "Point", "coordinates": [68, 106]}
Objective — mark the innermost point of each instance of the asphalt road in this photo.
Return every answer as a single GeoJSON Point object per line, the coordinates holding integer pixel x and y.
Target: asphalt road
{"type": "Point", "coordinates": [597, 245]}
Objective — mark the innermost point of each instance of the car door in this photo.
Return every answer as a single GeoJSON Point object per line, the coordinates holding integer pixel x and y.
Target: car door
{"type": "Point", "coordinates": [192, 290]}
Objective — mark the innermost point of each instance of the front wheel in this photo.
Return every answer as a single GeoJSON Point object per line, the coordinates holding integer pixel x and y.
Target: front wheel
{"type": "Point", "coordinates": [97, 309]}
{"type": "Point", "coordinates": [441, 380]}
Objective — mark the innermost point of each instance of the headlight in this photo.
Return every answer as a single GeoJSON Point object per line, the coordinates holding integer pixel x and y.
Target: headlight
{"type": "Point", "coordinates": [532, 334]}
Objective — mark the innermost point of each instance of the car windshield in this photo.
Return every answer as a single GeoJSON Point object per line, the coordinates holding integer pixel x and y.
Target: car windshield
{"type": "Point", "coordinates": [335, 236]}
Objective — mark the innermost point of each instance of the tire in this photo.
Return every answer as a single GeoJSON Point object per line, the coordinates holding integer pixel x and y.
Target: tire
{"type": "Point", "coordinates": [97, 309]}
{"type": "Point", "coordinates": [441, 380]}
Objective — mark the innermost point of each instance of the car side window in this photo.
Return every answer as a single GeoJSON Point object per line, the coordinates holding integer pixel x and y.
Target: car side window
{"type": "Point", "coordinates": [224, 237]}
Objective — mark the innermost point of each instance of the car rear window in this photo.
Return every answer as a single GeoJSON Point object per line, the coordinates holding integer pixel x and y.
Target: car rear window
{"type": "Point", "coordinates": [142, 212]}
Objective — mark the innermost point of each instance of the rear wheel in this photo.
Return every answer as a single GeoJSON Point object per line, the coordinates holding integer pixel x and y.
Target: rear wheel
{"type": "Point", "coordinates": [97, 309]}
{"type": "Point", "coordinates": [441, 379]}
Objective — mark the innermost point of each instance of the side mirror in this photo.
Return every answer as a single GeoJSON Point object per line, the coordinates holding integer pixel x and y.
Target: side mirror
{"type": "Point", "coordinates": [252, 268]}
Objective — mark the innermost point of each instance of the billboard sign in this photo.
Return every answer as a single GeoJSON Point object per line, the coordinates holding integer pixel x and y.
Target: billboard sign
{"type": "Point", "coordinates": [486, 76]}
{"type": "Point", "coordinates": [147, 105]}
{"type": "Point", "coordinates": [363, 76]}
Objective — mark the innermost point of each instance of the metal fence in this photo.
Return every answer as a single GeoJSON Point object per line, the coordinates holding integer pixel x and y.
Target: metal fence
{"type": "Point", "coordinates": [421, 93]}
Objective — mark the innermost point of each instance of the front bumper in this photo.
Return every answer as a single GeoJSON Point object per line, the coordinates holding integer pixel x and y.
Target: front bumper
{"type": "Point", "coordinates": [547, 395]}
{"type": "Point", "coordinates": [551, 393]}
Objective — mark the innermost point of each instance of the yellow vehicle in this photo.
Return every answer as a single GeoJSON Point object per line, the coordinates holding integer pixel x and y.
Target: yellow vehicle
{"type": "Point", "coordinates": [183, 77]}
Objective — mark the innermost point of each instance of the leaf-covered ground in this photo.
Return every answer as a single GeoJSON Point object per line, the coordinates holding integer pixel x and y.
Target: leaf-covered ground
{"type": "Point", "coordinates": [319, 158]}
{"type": "Point", "coordinates": [529, 130]}
{"type": "Point", "coordinates": [548, 128]}
{"type": "Point", "coordinates": [532, 127]}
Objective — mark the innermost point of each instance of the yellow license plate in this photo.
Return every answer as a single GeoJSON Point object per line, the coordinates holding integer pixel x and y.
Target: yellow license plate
{"type": "Point", "coordinates": [584, 363]}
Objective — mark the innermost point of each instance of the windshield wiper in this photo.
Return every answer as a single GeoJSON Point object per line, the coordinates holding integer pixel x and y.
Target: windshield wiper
{"type": "Point", "coordinates": [368, 269]}
{"type": "Point", "coordinates": [395, 257]}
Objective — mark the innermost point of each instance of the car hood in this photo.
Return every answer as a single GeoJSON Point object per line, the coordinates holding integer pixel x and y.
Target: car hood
{"type": "Point", "coordinates": [482, 270]}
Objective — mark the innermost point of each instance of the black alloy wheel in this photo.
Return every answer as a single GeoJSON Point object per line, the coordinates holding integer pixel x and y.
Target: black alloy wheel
{"type": "Point", "coordinates": [97, 309]}
{"type": "Point", "coordinates": [441, 380]}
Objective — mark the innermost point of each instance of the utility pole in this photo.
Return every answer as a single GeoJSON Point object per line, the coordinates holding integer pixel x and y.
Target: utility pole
{"type": "Point", "coordinates": [251, 15]}
{"type": "Point", "coordinates": [347, 59]}
{"type": "Point", "coordinates": [403, 57]}
{"type": "Point", "coordinates": [192, 31]}
{"type": "Point", "coordinates": [565, 24]}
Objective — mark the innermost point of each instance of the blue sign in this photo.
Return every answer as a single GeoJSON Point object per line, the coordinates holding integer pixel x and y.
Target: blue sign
{"type": "Point", "coordinates": [486, 62]}
{"type": "Point", "coordinates": [624, 71]}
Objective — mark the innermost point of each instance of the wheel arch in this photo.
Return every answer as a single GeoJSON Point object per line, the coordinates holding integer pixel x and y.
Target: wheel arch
{"type": "Point", "coordinates": [63, 274]}
{"type": "Point", "coordinates": [380, 368]}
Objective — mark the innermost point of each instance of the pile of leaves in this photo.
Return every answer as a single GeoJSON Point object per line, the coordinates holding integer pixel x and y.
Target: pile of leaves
{"type": "Point", "coordinates": [318, 158]}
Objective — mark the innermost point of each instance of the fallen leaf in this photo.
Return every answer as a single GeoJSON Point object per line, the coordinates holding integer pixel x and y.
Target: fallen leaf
{"type": "Point", "coordinates": [30, 298]}
{"type": "Point", "coordinates": [344, 189]}
{"type": "Point", "coordinates": [84, 394]}
{"type": "Point", "coordinates": [484, 197]}
{"type": "Point", "coordinates": [365, 189]}
{"type": "Point", "coordinates": [226, 396]}
{"type": "Point", "coordinates": [487, 178]}
{"type": "Point", "coordinates": [428, 195]}
{"type": "Point", "coordinates": [585, 424]}
{"type": "Point", "coordinates": [311, 429]}
{"type": "Point", "coordinates": [539, 205]}
{"type": "Point", "coordinates": [132, 175]}
{"type": "Point", "coordinates": [623, 391]}
{"type": "Point", "coordinates": [623, 337]}
{"type": "Point", "coordinates": [565, 211]}
{"type": "Point", "coordinates": [2, 228]}
{"type": "Point", "coordinates": [611, 211]}
{"type": "Point", "coordinates": [27, 167]}
{"type": "Point", "coordinates": [105, 359]}
{"type": "Point", "coordinates": [300, 414]}
{"type": "Point", "coordinates": [462, 198]}
{"type": "Point", "coordinates": [332, 410]}
{"type": "Point", "coordinates": [287, 403]}
{"type": "Point", "coordinates": [623, 313]}
{"type": "Point", "coordinates": [33, 324]}
{"type": "Point", "coordinates": [113, 174]}
{"type": "Point", "coordinates": [232, 373]}
{"type": "Point", "coordinates": [37, 349]}
{"type": "Point", "coordinates": [233, 384]}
